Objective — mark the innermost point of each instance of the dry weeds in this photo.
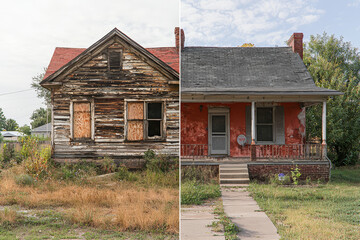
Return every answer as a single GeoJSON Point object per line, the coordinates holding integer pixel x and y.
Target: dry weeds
{"type": "Point", "coordinates": [119, 206]}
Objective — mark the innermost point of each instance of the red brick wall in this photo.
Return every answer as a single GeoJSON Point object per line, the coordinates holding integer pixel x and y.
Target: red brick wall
{"type": "Point", "coordinates": [262, 172]}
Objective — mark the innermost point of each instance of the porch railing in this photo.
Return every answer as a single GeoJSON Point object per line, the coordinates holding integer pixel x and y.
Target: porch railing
{"type": "Point", "coordinates": [194, 150]}
{"type": "Point", "coordinates": [308, 151]}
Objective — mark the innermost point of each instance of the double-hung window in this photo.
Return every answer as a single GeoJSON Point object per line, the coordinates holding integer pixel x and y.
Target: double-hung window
{"type": "Point", "coordinates": [144, 120]}
{"type": "Point", "coordinates": [265, 124]}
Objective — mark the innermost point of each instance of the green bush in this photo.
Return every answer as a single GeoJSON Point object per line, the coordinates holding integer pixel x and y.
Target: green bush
{"type": "Point", "coordinates": [193, 192]}
{"type": "Point", "coordinates": [8, 152]}
{"type": "Point", "coordinates": [274, 180]}
{"type": "Point", "coordinates": [24, 180]}
{"type": "Point", "coordinates": [203, 174]}
{"type": "Point", "coordinates": [159, 163]}
{"type": "Point", "coordinates": [38, 163]}
{"type": "Point", "coordinates": [108, 165]}
{"type": "Point", "coordinates": [74, 171]}
{"type": "Point", "coordinates": [124, 174]}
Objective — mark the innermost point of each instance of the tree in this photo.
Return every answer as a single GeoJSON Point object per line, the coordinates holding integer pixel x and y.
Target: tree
{"type": "Point", "coordinates": [40, 91]}
{"type": "Point", "coordinates": [25, 130]}
{"type": "Point", "coordinates": [2, 120]}
{"type": "Point", "coordinates": [333, 64]}
{"type": "Point", "coordinates": [40, 117]}
{"type": "Point", "coordinates": [11, 125]}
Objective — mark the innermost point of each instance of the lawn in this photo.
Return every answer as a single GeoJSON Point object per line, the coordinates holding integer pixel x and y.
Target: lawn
{"type": "Point", "coordinates": [318, 211]}
{"type": "Point", "coordinates": [43, 200]}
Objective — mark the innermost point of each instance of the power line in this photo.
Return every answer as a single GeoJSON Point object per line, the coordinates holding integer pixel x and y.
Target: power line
{"type": "Point", "coordinates": [3, 94]}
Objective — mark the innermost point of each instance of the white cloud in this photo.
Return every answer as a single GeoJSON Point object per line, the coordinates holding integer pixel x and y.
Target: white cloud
{"type": "Point", "coordinates": [354, 3]}
{"type": "Point", "coordinates": [232, 22]}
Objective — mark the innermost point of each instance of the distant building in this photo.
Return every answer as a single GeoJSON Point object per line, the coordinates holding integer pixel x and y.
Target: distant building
{"type": "Point", "coordinates": [11, 135]}
{"type": "Point", "coordinates": [42, 131]}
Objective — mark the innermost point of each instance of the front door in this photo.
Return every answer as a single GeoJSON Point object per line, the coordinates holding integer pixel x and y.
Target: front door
{"type": "Point", "coordinates": [218, 133]}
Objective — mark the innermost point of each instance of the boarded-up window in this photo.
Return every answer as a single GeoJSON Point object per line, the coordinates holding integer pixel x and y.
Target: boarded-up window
{"type": "Point", "coordinates": [114, 60]}
{"type": "Point", "coordinates": [135, 118]}
{"type": "Point", "coordinates": [82, 120]}
{"type": "Point", "coordinates": [144, 120]}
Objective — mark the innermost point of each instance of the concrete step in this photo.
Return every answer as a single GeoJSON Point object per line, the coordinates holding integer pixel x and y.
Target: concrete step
{"type": "Point", "coordinates": [223, 166]}
{"type": "Point", "coordinates": [235, 185]}
{"type": "Point", "coordinates": [235, 181]}
{"type": "Point", "coordinates": [233, 175]}
{"type": "Point", "coordinates": [234, 170]}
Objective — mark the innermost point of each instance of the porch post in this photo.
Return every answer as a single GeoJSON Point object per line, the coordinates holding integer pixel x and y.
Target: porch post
{"type": "Point", "coordinates": [253, 126]}
{"type": "Point", "coordinates": [323, 144]}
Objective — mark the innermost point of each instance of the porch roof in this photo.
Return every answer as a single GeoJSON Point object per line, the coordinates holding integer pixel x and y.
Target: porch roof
{"type": "Point", "coordinates": [246, 71]}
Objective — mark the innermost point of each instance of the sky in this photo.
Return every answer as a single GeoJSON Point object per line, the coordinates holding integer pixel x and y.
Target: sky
{"type": "Point", "coordinates": [267, 23]}
{"type": "Point", "coordinates": [31, 29]}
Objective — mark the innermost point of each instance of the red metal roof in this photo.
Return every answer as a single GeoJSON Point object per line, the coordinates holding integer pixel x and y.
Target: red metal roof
{"type": "Point", "coordinates": [62, 56]}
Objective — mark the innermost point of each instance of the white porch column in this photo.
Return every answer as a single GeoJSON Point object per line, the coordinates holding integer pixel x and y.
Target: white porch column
{"type": "Point", "coordinates": [253, 125]}
{"type": "Point", "coordinates": [324, 147]}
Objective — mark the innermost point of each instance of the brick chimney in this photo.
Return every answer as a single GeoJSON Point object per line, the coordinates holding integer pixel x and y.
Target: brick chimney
{"type": "Point", "coordinates": [296, 43]}
{"type": "Point", "coordinates": [179, 35]}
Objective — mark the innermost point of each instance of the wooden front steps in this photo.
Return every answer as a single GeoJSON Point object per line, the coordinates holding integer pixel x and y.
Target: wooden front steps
{"type": "Point", "coordinates": [234, 175]}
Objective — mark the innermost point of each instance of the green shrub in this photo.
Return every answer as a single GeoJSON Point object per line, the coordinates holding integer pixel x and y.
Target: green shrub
{"type": "Point", "coordinates": [193, 192]}
{"type": "Point", "coordinates": [159, 163]}
{"type": "Point", "coordinates": [274, 180]}
{"type": "Point", "coordinates": [295, 175]}
{"type": "Point", "coordinates": [38, 163]}
{"type": "Point", "coordinates": [203, 174]}
{"type": "Point", "coordinates": [74, 171]}
{"type": "Point", "coordinates": [8, 152]}
{"type": "Point", "coordinates": [24, 180]}
{"type": "Point", "coordinates": [124, 174]}
{"type": "Point", "coordinates": [29, 147]}
{"type": "Point", "coordinates": [108, 165]}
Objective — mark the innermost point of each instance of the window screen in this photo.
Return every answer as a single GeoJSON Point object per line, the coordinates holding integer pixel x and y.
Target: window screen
{"type": "Point", "coordinates": [265, 124]}
{"type": "Point", "coordinates": [82, 120]}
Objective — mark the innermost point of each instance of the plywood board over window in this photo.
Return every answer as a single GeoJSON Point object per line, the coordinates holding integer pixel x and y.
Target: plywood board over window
{"type": "Point", "coordinates": [135, 116]}
{"type": "Point", "coordinates": [82, 120]}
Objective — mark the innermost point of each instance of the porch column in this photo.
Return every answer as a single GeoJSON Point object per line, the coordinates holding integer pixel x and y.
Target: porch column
{"type": "Point", "coordinates": [253, 126]}
{"type": "Point", "coordinates": [323, 144]}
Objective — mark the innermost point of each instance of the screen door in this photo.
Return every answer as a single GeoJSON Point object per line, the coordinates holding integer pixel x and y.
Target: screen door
{"type": "Point", "coordinates": [219, 134]}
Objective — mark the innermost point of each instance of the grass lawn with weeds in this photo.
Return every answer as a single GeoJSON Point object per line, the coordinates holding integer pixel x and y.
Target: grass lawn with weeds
{"type": "Point", "coordinates": [139, 205]}
{"type": "Point", "coordinates": [318, 211]}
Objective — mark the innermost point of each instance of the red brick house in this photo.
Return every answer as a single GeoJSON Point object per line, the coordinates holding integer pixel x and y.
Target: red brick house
{"type": "Point", "coordinates": [247, 105]}
{"type": "Point", "coordinates": [114, 99]}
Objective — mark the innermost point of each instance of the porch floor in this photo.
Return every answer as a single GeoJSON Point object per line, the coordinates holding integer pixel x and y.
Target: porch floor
{"type": "Point", "coordinates": [234, 160]}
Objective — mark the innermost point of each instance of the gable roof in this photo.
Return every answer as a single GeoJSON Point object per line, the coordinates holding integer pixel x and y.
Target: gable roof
{"type": "Point", "coordinates": [42, 128]}
{"type": "Point", "coordinates": [248, 71]}
{"type": "Point", "coordinates": [63, 58]}
{"type": "Point", "coordinates": [11, 134]}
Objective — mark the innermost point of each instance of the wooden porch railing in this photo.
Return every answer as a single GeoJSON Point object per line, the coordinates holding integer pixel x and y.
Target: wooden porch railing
{"type": "Point", "coordinates": [308, 151]}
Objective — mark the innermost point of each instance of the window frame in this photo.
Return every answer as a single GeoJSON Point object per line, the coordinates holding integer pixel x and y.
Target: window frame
{"type": "Point", "coordinates": [92, 120]}
{"type": "Point", "coordinates": [266, 124]}
{"type": "Point", "coordinates": [145, 120]}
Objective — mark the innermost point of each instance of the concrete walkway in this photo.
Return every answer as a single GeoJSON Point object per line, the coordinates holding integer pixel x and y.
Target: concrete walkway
{"type": "Point", "coordinates": [246, 214]}
{"type": "Point", "coordinates": [194, 222]}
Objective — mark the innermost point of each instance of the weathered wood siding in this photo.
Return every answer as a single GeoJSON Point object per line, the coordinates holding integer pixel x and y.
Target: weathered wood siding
{"type": "Point", "coordinates": [107, 92]}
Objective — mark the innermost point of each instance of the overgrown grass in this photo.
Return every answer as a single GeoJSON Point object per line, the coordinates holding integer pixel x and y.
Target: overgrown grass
{"type": "Point", "coordinates": [193, 192]}
{"type": "Point", "coordinates": [330, 211]}
{"type": "Point", "coordinates": [199, 183]}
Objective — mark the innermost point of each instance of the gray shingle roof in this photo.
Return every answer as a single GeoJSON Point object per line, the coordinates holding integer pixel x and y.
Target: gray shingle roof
{"type": "Point", "coordinates": [259, 70]}
{"type": "Point", "coordinates": [43, 128]}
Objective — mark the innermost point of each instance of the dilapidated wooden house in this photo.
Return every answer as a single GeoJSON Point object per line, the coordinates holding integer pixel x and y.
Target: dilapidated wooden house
{"type": "Point", "coordinates": [114, 99]}
{"type": "Point", "coordinates": [246, 106]}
